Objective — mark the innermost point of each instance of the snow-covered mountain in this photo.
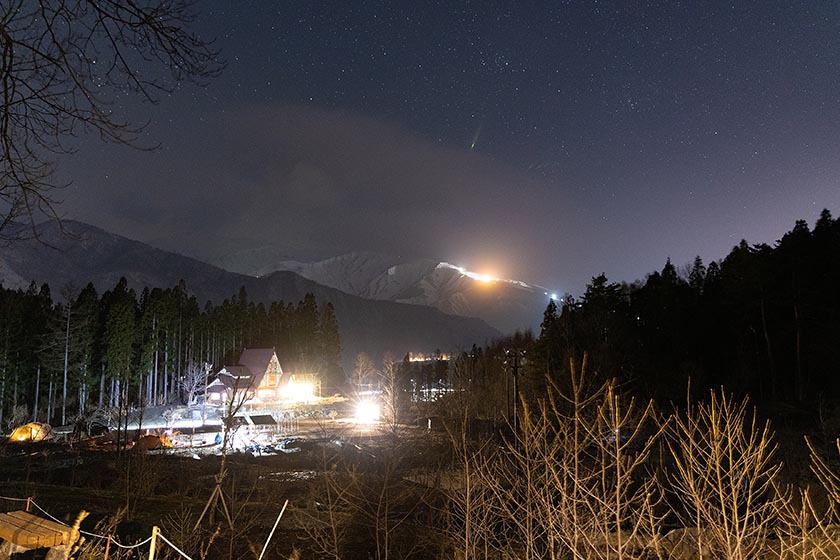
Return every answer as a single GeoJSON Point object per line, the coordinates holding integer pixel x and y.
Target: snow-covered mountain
{"type": "Point", "coordinates": [94, 255]}
{"type": "Point", "coordinates": [505, 304]}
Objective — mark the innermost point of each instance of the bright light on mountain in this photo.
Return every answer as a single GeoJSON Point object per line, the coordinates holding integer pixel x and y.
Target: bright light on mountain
{"type": "Point", "coordinates": [485, 278]}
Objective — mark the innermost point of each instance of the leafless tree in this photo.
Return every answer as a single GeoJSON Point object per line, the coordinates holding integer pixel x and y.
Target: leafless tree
{"type": "Point", "coordinates": [324, 518]}
{"type": "Point", "coordinates": [363, 371]}
{"type": "Point", "coordinates": [393, 395]}
{"type": "Point", "coordinates": [179, 527]}
{"type": "Point", "coordinates": [470, 491]}
{"type": "Point", "coordinates": [523, 485]}
{"type": "Point", "coordinates": [829, 479]}
{"type": "Point", "coordinates": [573, 482]}
{"type": "Point", "coordinates": [724, 474]}
{"type": "Point", "coordinates": [385, 503]}
{"type": "Point", "coordinates": [621, 501]}
{"type": "Point", "coordinates": [805, 530]}
{"type": "Point", "coordinates": [62, 65]}
{"type": "Point", "coordinates": [239, 394]}
{"type": "Point", "coordinates": [194, 380]}
{"type": "Point", "coordinates": [459, 405]}
{"type": "Point", "coordinates": [574, 469]}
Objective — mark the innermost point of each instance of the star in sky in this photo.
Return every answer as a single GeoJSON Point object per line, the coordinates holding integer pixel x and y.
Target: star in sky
{"type": "Point", "coordinates": [563, 138]}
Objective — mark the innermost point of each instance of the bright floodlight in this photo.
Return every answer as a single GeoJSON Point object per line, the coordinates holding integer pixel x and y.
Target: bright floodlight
{"type": "Point", "coordinates": [554, 297]}
{"type": "Point", "coordinates": [367, 412]}
{"type": "Point", "coordinates": [298, 392]}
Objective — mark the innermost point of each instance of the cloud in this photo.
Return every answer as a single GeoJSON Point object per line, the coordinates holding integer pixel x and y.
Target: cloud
{"type": "Point", "coordinates": [321, 182]}
{"type": "Point", "coordinates": [338, 181]}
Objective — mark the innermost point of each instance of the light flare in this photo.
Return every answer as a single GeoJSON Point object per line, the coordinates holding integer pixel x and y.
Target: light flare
{"type": "Point", "coordinates": [367, 412]}
{"type": "Point", "coordinates": [298, 392]}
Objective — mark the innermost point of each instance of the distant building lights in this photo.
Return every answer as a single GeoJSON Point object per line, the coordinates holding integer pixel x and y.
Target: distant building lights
{"type": "Point", "coordinates": [421, 357]}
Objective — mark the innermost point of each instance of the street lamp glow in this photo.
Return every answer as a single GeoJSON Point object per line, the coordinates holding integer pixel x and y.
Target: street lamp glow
{"type": "Point", "coordinates": [367, 412]}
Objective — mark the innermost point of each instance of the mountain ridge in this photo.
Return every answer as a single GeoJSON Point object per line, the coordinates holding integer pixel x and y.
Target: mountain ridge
{"type": "Point", "coordinates": [101, 257]}
{"type": "Point", "coordinates": [508, 305]}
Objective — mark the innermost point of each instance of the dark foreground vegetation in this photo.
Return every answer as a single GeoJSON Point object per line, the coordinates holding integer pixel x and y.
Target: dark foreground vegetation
{"type": "Point", "coordinates": [591, 473]}
{"type": "Point", "coordinates": [765, 320]}
{"type": "Point", "coordinates": [627, 457]}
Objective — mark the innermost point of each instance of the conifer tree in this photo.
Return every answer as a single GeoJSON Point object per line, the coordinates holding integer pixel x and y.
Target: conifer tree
{"type": "Point", "coordinates": [697, 275]}
{"type": "Point", "coordinates": [548, 355]}
{"type": "Point", "coordinates": [119, 346]}
{"type": "Point", "coordinates": [307, 336]}
{"type": "Point", "coordinates": [331, 372]}
{"type": "Point", "coordinates": [86, 308]}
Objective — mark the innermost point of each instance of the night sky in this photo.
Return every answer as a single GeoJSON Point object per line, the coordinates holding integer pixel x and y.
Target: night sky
{"type": "Point", "coordinates": [547, 142]}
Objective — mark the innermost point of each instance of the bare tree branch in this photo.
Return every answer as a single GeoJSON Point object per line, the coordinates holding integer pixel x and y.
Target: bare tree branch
{"type": "Point", "coordinates": [63, 65]}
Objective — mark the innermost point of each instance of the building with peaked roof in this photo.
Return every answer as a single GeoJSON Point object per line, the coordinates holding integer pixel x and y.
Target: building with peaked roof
{"type": "Point", "coordinates": [263, 381]}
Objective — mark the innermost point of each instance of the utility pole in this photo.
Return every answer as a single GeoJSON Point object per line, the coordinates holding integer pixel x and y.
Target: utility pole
{"type": "Point", "coordinates": [515, 359]}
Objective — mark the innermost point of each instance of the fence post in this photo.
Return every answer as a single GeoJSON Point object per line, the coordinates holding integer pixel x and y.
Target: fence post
{"type": "Point", "coordinates": [107, 547]}
{"type": "Point", "coordinates": [155, 531]}
{"type": "Point", "coordinates": [28, 503]}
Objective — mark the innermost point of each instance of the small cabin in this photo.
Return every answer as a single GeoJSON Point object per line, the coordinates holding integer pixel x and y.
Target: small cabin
{"type": "Point", "coordinates": [263, 381]}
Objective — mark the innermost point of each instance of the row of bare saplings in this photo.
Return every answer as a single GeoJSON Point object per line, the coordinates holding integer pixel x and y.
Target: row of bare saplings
{"type": "Point", "coordinates": [590, 475]}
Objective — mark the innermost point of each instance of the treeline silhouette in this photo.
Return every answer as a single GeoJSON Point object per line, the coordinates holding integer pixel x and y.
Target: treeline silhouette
{"type": "Point", "coordinates": [61, 358]}
{"type": "Point", "coordinates": [765, 320]}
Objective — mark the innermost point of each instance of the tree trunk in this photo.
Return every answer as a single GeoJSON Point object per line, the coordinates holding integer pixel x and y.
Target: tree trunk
{"type": "Point", "coordinates": [213, 344]}
{"type": "Point", "coordinates": [180, 337]}
{"type": "Point", "coordinates": [66, 361]}
{"type": "Point", "coordinates": [156, 389]}
{"type": "Point", "coordinates": [50, 392]}
{"type": "Point", "coordinates": [37, 394]}
{"type": "Point", "coordinates": [102, 387]}
{"type": "Point", "coordinates": [115, 392]}
{"type": "Point", "coordinates": [83, 392]}
{"type": "Point", "coordinates": [166, 371]}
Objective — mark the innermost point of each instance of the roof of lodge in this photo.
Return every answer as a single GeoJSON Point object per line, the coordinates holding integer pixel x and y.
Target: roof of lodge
{"type": "Point", "coordinates": [253, 363]}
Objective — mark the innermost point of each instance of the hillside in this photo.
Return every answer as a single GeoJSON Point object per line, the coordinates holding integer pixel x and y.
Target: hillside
{"type": "Point", "coordinates": [507, 305]}
{"type": "Point", "coordinates": [94, 255]}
